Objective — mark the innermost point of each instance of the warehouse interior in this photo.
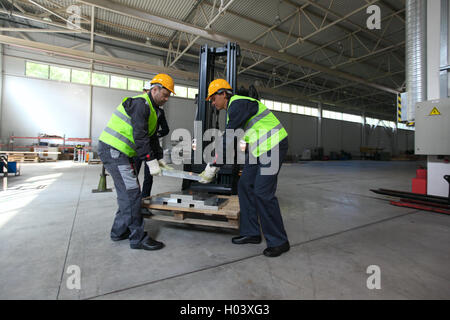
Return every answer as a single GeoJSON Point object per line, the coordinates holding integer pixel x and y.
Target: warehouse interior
{"type": "Point", "coordinates": [334, 72]}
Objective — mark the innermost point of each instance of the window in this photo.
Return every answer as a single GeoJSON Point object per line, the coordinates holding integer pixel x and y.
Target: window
{"type": "Point", "coordinates": [277, 106]}
{"type": "Point", "coordinates": [135, 84]}
{"type": "Point", "coordinates": [338, 115]}
{"type": "Point", "coordinates": [79, 76]}
{"type": "Point", "coordinates": [300, 109]}
{"type": "Point", "coordinates": [332, 115]}
{"type": "Point", "coordinates": [286, 107]}
{"type": "Point", "coordinates": [389, 124]}
{"type": "Point", "coordinates": [352, 118]}
{"type": "Point", "coordinates": [60, 74]}
{"type": "Point", "coordinates": [269, 104]}
{"type": "Point", "coordinates": [192, 92]}
{"type": "Point", "coordinates": [181, 92]}
{"type": "Point", "coordinates": [404, 126]}
{"type": "Point", "coordinates": [308, 111]}
{"type": "Point", "coordinates": [37, 70]}
{"type": "Point", "coordinates": [294, 108]}
{"type": "Point", "coordinates": [118, 82]}
{"type": "Point", "coordinates": [315, 112]}
{"type": "Point", "coordinates": [99, 79]}
{"type": "Point", "coordinates": [372, 121]}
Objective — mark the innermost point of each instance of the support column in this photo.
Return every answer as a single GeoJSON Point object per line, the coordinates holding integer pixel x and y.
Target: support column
{"type": "Point", "coordinates": [319, 126]}
{"type": "Point", "coordinates": [2, 76]}
{"type": "Point", "coordinates": [363, 130]}
{"type": "Point", "coordinates": [92, 70]}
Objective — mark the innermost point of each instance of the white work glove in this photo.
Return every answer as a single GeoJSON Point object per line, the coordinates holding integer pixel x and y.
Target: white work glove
{"type": "Point", "coordinates": [164, 165]}
{"type": "Point", "coordinates": [209, 174]}
{"type": "Point", "coordinates": [153, 165]}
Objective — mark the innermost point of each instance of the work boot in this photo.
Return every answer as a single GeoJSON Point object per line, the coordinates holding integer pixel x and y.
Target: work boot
{"type": "Point", "coordinates": [246, 239]}
{"type": "Point", "coordinates": [277, 251]}
{"type": "Point", "coordinates": [125, 236]}
{"type": "Point", "coordinates": [148, 244]}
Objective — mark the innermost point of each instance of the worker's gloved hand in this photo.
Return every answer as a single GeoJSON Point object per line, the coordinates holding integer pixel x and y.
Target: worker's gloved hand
{"type": "Point", "coordinates": [164, 165]}
{"type": "Point", "coordinates": [209, 174]}
{"type": "Point", "coordinates": [153, 165]}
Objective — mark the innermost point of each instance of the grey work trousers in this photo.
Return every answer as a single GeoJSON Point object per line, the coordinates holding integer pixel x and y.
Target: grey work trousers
{"type": "Point", "coordinates": [128, 216]}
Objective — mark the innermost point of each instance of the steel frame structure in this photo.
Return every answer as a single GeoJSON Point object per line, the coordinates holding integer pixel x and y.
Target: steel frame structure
{"type": "Point", "coordinates": [318, 74]}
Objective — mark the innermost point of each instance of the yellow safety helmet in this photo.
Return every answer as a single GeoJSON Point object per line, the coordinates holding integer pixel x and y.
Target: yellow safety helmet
{"type": "Point", "coordinates": [217, 85]}
{"type": "Point", "coordinates": [165, 80]}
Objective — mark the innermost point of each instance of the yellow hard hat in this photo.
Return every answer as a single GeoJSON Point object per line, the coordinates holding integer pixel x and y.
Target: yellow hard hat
{"type": "Point", "coordinates": [216, 85]}
{"type": "Point", "coordinates": [165, 80]}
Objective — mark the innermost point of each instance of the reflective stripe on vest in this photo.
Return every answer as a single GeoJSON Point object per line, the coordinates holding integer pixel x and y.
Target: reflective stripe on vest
{"type": "Point", "coordinates": [263, 131]}
{"type": "Point", "coordinates": [119, 131]}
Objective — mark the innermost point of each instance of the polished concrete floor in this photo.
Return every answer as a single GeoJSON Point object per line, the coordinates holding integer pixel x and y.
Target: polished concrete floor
{"type": "Point", "coordinates": [50, 222]}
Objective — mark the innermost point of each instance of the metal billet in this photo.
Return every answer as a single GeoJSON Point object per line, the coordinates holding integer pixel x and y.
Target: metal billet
{"type": "Point", "coordinates": [180, 174]}
{"type": "Point", "coordinates": [197, 201]}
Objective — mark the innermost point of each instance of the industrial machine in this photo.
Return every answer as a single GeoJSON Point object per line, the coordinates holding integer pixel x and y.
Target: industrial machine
{"type": "Point", "coordinates": [7, 167]}
{"type": "Point", "coordinates": [207, 117]}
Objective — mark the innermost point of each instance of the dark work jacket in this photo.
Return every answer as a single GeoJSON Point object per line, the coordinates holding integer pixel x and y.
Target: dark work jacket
{"type": "Point", "coordinates": [163, 128]}
{"type": "Point", "coordinates": [148, 148]}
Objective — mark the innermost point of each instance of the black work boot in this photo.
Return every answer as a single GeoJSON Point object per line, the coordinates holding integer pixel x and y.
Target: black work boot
{"type": "Point", "coordinates": [148, 244]}
{"type": "Point", "coordinates": [277, 251]}
{"type": "Point", "coordinates": [246, 239]}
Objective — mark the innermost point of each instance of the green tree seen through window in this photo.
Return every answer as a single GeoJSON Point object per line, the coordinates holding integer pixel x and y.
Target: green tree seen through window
{"type": "Point", "coordinates": [60, 74]}
{"type": "Point", "coordinates": [37, 70]}
{"type": "Point", "coordinates": [99, 79]}
{"type": "Point", "coordinates": [118, 82]}
{"type": "Point", "coordinates": [79, 76]}
{"type": "Point", "coordinates": [135, 84]}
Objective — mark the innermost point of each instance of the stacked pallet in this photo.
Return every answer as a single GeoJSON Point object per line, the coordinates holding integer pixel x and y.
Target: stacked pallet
{"type": "Point", "coordinates": [23, 157]}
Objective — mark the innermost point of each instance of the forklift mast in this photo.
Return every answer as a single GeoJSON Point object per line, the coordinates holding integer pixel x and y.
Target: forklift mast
{"type": "Point", "coordinates": [208, 117]}
{"type": "Point", "coordinates": [205, 113]}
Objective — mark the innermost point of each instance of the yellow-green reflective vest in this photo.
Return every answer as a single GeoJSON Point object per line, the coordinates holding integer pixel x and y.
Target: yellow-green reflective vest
{"type": "Point", "coordinates": [263, 131]}
{"type": "Point", "coordinates": [119, 131]}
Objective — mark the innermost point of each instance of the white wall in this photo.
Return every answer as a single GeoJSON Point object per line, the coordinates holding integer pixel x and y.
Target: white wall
{"type": "Point", "coordinates": [34, 106]}
{"type": "Point", "coordinates": [31, 106]}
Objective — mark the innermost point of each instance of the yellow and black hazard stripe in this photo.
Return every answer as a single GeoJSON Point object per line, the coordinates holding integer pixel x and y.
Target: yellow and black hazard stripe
{"type": "Point", "coordinates": [399, 107]}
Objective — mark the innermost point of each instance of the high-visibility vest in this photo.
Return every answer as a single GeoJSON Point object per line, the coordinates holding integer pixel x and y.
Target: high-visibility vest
{"type": "Point", "coordinates": [263, 131]}
{"type": "Point", "coordinates": [119, 131]}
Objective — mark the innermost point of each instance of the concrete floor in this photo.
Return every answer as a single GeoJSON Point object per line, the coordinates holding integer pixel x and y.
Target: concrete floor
{"type": "Point", "coordinates": [50, 220]}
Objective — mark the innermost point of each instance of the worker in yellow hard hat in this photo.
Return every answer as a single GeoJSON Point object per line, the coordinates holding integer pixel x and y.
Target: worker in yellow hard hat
{"type": "Point", "coordinates": [132, 132]}
{"type": "Point", "coordinates": [161, 131]}
{"type": "Point", "coordinates": [266, 138]}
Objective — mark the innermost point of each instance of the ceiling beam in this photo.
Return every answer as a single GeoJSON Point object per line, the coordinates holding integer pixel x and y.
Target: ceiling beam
{"type": "Point", "coordinates": [152, 69]}
{"type": "Point", "coordinates": [97, 58]}
{"type": "Point", "coordinates": [294, 35]}
{"type": "Point", "coordinates": [222, 38]}
{"type": "Point", "coordinates": [35, 18]}
{"type": "Point", "coordinates": [339, 24]}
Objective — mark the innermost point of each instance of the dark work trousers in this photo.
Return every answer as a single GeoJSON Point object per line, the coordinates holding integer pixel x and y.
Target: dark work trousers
{"type": "Point", "coordinates": [128, 216]}
{"type": "Point", "coordinates": [257, 200]}
{"type": "Point", "coordinates": [148, 178]}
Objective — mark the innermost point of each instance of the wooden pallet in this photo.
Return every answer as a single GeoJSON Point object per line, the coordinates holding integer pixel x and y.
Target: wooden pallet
{"type": "Point", "coordinates": [225, 217]}
{"type": "Point", "coordinates": [17, 158]}
{"type": "Point", "coordinates": [47, 160]}
{"type": "Point", "coordinates": [95, 161]}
